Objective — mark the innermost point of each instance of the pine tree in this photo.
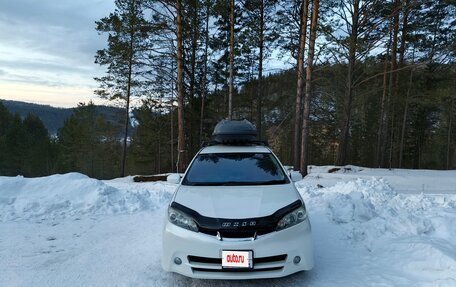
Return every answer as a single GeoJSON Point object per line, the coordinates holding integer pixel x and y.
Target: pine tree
{"type": "Point", "coordinates": [300, 83]}
{"type": "Point", "coordinates": [181, 155]}
{"type": "Point", "coordinates": [308, 89]}
{"type": "Point", "coordinates": [261, 35]}
{"type": "Point", "coordinates": [127, 33]}
{"type": "Point", "coordinates": [88, 144]}
{"type": "Point", "coordinates": [37, 142]}
{"type": "Point", "coordinates": [5, 122]}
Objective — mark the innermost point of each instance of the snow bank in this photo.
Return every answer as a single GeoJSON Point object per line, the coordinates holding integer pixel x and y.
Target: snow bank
{"type": "Point", "coordinates": [412, 181]}
{"type": "Point", "coordinates": [371, 208]}
{"type": "Point", "coordinates": [419, 229]}
{"type": "Point", "coordinates": [75, 194]}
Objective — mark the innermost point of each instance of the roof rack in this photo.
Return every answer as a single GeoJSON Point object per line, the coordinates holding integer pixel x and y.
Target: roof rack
{"type": "Point", "coordinates": [249, 143]}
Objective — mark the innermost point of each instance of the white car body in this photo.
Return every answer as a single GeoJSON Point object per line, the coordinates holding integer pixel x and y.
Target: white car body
{"type": "Point", "coordinates": [275, 253]}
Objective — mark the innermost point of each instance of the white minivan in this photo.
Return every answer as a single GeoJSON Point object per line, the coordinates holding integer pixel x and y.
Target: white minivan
{"type": "Point", "coordinates": [236, 213]}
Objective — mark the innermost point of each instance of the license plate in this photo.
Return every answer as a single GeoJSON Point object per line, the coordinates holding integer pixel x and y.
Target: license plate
{"type": "Point", "coordinates": [237, 259]}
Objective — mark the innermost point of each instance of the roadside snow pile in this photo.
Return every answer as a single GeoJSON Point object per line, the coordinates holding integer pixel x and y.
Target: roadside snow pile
{"type": "Point", "coordinates": [412, 181]}
{"type": "Point", "coordinates": [368, 209]}
{"type": "Point", "coordinates": [394, 228]}
{"type": "Point", "coordinates": [74, 194]}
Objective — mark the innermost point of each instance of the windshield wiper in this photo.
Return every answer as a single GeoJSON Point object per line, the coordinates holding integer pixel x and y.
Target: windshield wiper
{"type": "Point", "coordinates": [203, 183]}
{"type": "Point", "coordinates": [218, 183]}
{"type": "Point", "coordinates": [240, 183]}
{"type": "Point", "coordinates": [269, 182]}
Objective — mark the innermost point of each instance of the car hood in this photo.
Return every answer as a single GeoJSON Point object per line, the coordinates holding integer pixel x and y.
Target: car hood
{"type": "Point", "coordinates": [236, 202]}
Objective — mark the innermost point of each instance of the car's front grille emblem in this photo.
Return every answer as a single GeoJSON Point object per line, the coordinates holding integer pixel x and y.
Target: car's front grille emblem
{"type": "Point", "coordinates": [238, 224]}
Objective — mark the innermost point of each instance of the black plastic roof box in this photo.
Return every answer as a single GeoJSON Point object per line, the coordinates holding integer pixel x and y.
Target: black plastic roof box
{"type": "Point", "coordinates": [234, 132]}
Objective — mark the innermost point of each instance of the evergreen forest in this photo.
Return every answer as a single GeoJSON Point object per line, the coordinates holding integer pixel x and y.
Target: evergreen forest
{"type": "Point", "coordinates": [326, 82]}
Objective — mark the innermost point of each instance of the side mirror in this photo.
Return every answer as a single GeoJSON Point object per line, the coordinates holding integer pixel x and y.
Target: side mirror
{"type": "Point", "coordinates": [288, 167]}
{"type": "Point", "coordinates": [295, 176]}
{"type": "Point", "coordinates": [173, 178]}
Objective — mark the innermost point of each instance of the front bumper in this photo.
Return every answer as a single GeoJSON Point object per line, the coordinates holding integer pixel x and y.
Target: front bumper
{"type": "Point", "coordinates": [273, 253]}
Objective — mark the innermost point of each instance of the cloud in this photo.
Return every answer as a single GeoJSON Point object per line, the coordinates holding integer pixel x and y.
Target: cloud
{"type": "Point", "coordinates": [36, 65]}
{"type": "Point", "coordinates": [28, 79]}
{"type": "Point", "coordinates": [62, 28]}
{"type": "Point", "coordinates": [51, 42]}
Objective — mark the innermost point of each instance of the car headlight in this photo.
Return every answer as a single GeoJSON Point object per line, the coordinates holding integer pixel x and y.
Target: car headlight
{"type": "Point", "coordinates": [181, 219]}
{"type": "Point", "coordinates": [296, 216]}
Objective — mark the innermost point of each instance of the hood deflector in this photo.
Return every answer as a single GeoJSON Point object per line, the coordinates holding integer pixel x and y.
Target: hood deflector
{"type": "Point", "coordinates": [237, 228]}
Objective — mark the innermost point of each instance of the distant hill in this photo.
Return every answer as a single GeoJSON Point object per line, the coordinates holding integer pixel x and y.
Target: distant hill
{"type": "Point", "coordinates": [53, 118]}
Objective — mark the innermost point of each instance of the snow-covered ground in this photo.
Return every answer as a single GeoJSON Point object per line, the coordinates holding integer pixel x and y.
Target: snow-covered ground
{"type": "Point", "coordinates": [371, 227]}
{"type": "Point", "coordinates": [402, 180]}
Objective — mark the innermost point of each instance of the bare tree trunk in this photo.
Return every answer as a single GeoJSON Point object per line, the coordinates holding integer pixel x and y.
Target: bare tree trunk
{"type": "Point", "coordinates": [260, 69]}
{"type": "Point", "coordinates": [449, 139]}
{"type": "Point", "coordinates": [300, 82]}
{"type": "Point", "coordinates": [389, 114]}
{"type": "Point", "coordinates": [159, 150]}
{"type": "Point", "coordinates": [203, 95]}
{"type": "Point", "coordinates": [191, 95]}
{"type": "Point", "coordinates": [308, 91]}
{"type": "Point", "coordinates": [251, 106]}
{"type": "Point", "coordinates": [345, 129]}
{"type": "Point", "coordinates": [225, 96]}
{"type": "Point", "coordinates": [382, 109]}
{"type": "Point", "coordinates": [231, 86]}
{"type": "Point", "coordinates": [180, 93]}
{"type": "Point", "coordinates": [390, 161]}
{"type": "Point", "coordinates": [419, 155]}
{"type": "Point", "coordinates": [404, 32]}
{"type": "Point", "coordinates": [172, 117]}
{"type": "Point", "coordinates": [127, 106]}
{"type": "Point", "coordinates": [404, 118]}
{"type": "Point", "coordinates": [127, 121]}
{"type": "Point", "coordinates": [394, 78]}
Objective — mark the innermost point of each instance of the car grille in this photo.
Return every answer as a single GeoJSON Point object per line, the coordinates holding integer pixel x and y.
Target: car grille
{"type": "Point", "coordinates": [231, 233]}
{"type": "Point", "coordinates": [260, 264]}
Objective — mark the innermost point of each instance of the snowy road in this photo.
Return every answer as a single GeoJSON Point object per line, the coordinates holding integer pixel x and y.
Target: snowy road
{"type": "Point", "coordinates": [122, 250]}
{"type": "Point", "coordinates": [69, 230]}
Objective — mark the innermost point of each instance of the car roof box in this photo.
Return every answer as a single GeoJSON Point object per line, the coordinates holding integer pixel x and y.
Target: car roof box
{"type": "Point", "coordinates": [234, 132]}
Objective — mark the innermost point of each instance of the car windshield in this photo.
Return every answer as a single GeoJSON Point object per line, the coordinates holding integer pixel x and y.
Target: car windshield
{"type": "Point", "coordinates": [235, 169]}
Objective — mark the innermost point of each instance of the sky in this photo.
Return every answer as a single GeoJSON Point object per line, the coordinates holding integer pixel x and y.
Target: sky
{"type": "Point", "coordinates": [47, 50]}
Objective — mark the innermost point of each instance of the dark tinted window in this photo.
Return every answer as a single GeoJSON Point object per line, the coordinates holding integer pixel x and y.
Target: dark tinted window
{"type": "Point", "coordinates": [235, 169]}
